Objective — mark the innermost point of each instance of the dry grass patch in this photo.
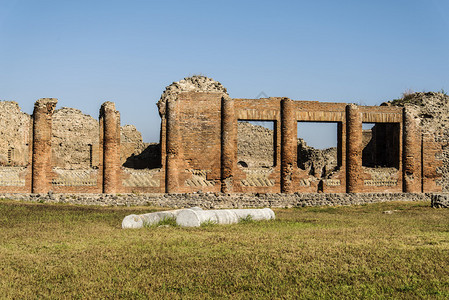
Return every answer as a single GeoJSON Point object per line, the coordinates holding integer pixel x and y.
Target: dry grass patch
{"type": "Point", "coordinates": [54, 251]}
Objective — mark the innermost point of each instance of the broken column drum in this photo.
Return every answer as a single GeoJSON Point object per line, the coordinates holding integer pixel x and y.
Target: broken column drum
{"type": "Point", "coordinates": [139, 221]}
{"type": "Point", "coordinates": [194, 218]}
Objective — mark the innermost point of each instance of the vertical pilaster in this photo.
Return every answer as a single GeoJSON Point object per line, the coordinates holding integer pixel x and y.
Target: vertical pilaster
{"type": "Point", "coordinates": [411, 160]}
{"type": "Point", "coordinates": [41, 158]}
{"type": "Point", "coordinates": [110, 119]}
{"type": "Point", "coordinates": [228, 144]}
{"type": "Point", "coordinates": [354, 180]}
{"type": "Point", "coordinates": [172, 148]}
{"type": "Point", "coordinates": [288, 148]}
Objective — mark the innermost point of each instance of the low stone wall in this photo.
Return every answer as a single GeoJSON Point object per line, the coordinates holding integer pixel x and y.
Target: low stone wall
{"type": "Point", "coordinates": [218, 200]}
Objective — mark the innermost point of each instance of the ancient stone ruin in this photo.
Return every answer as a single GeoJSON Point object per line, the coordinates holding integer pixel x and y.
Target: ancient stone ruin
{"type": "Point", "coordinates": [209, 144]}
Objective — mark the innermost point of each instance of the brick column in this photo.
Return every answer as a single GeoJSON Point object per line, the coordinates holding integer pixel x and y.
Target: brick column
{"type": "Point", "coordinates": [287, 144]}
{"type": "Point", "coordinates": [41, 158]}
{"type": "Point", "coordinates": [172, 148]}
{"type": "Point", "coordinates": [228, 144]}
{"type": "Point", "coordinates": [411, 153]}
{"type": "Point", "coordinates": [353, 149]}
{"type": "Point", "coordinates": [110, 119]}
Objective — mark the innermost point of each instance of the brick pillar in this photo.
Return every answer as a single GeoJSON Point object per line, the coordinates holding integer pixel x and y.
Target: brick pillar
{"type": "Point", "coordinates": [288, 148]}
{"type": "Point", "coordinates": [411, 153]}
{"type": "Point", "coordinates": [353, 149]}
{"type": "Point", "coordinates": [228, 144]}
{"type": "Point", "coordinates": [172, 148]}
{"type": "Point", "coordinates": [41, 158]}
{"type": "Point", "coordinates": [110, 119]}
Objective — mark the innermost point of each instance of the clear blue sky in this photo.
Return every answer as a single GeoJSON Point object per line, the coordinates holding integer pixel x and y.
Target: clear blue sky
{"type": "Point", "coordinates": [88, 52]}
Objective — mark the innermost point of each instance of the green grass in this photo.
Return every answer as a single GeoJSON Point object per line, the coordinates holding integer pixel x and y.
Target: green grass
{"type": "Point", "coordinates": [65, 251]}
{"type": "Point", "coordinates": [165, 222]}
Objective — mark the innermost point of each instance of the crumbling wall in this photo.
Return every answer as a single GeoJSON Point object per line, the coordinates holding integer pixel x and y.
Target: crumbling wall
{"type": "Point", "coordinates": [256, 150]}
{"type": "Point", "coordinates": [195, 83]}
{"type": "Point", "coordinates": [191, 123]}
{"type": "Point", "coordinates": [134, 153]}
{"type": "Point", "coordinates": [15, 146]}
{"type": "Point", "coordinates": [15, 129]}
{"type": "Point", "coordinates": [73, 152]}
{"type": "Point", "coordinates": [432, 111]}
{"type": "Point", "coordinates": [319, 163]}
{"type": "Point", "coordinates": [255, 146]}
{"type": "Point", "coordinates": [75, 140]}
{"type": "Point", "coordinates": [131, 145]}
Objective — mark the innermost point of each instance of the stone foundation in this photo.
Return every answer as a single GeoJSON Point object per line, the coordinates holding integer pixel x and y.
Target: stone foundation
{"type": "Point", "coordinates": [220, 200]}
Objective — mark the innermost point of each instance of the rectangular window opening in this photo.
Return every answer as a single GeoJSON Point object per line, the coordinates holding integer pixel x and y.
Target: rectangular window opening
{"type": "Point", "coordinates": [256, 144]}
{"type": "Point", "coordinates": [319, 148]}
{"type": "Point", "coordinates": [10, 155]}
{"type": "Point", "coordinates": [90, 155]}
{"type": "Point", "coordinates": [380, 144]}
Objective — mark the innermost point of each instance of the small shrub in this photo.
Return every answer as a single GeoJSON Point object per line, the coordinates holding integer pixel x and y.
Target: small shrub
{"type": "Point", "coordinates": [246, 220]}
{"type": "Point", "coordinates": [171, 221]}
{"type": "Point", "coordinates": [167, 221]}
{"type": "Point", "coordinates": [407, 94]}
{"type": "Point", "coordinates": [208, 223]}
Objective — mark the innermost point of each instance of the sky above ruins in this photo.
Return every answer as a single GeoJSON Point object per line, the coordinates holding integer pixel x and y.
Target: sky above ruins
{"type": "Point", "coordinates": [88, 52]}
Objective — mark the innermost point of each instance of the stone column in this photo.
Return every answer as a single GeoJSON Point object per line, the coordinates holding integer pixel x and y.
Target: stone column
{"type": "Point", "coordinates": [228, 144]}
{"type": "Point", "coordinates": [172, 148]}
{"type": "Point", "coordinates": [111, 147]}
{"type": "Point", "coordinates": [354, 133]}
{"type": "Point", "coordinates": [288, 148]}
{"type": "Point", "coordinates": [411, 160]}
{"type": "Point", "coordinates": [41, 158]}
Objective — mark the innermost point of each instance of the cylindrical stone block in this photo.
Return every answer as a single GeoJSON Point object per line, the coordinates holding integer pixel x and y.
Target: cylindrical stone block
{"type": "Point", "coordinates": [411, 154]}
{"type": "Point", "coordinates": [139, 221]}
{"type": "Point", "coordinates": [354, 180]}
{"type": "Point", "coordinates": [172, 148]}
{"type": "Point", "coordinates": [194, 218]}
{"type": "Point", "coordinates": [228, 144]}
{"type": "Point", "coordinates": [41, 158]}
{"type": "Point", "coordinates": [111, 146]}
{"type": "Point", "coordinates": [288, 149]}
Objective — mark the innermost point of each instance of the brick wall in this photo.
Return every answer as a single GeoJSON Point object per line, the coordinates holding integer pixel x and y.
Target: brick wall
{"type": "Point", "coordinates": [67, 152]}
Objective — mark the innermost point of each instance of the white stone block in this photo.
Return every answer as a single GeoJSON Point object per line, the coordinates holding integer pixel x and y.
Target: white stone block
{"type": "Point", "coordinates": [194, 218]}
{"type": "Point", "coordinates": [138, 221]}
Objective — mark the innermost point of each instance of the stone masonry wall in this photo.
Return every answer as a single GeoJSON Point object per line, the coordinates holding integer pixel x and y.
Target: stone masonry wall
{"type": "Point", "coordinates": [431, 111]}
{"type": "Point", "coordinates": [131, 146]}
{"type": "Point", "coordinates": [219, 200]}
{"type": "Point", "coordinates": [255, 145]}
{"type": "Point", "coordinates": [15, 132]}
{"type": "Point", "coordinates": [75, 140]}
{"type": "Point", "coordinates": [203, 147]}
{"type": "Point", "coordinates": [15, 148]}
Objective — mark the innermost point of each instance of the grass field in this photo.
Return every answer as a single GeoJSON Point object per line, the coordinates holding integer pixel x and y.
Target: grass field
{"type": "Point", "coordinates": [65, 251]}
